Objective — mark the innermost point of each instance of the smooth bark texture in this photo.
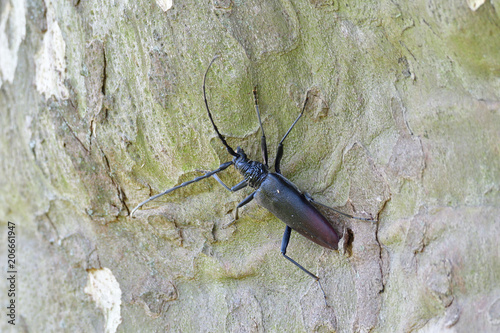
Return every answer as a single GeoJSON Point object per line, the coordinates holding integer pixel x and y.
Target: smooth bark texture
{"type": "Point", "coordinates": [101, 107]}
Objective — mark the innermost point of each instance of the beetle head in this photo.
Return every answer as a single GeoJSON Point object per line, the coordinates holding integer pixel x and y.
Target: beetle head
{"type": "Point", "coordinates": [240, 160]}
{"type": "Point", "coordinates": [240, 156]}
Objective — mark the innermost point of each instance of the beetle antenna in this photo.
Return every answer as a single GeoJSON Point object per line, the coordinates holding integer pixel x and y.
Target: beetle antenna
{"type": "Point", "coordinates": [221, 137]}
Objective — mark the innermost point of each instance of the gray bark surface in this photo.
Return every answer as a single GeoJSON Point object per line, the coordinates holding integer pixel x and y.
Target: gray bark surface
{"type": "Point", "coordinates": [101, 107]}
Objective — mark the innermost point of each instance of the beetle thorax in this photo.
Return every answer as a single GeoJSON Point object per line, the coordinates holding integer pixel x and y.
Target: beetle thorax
{"type": "Point", "coordinates": [253, 171]}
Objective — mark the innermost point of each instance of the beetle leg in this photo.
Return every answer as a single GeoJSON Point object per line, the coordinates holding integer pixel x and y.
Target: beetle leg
{"type": "Point", "coordinates": [235, 188]}
{"type": "Point", "coordinates": [279, 153]}
{"type": "Point", "coordinates": [310, 199]}
{"type": "Point", "coordinates": [241, 204]}
{"type": "Point", "coordinates": [223, 166]}
{"type": "Point", "coordinates": [284, 245]}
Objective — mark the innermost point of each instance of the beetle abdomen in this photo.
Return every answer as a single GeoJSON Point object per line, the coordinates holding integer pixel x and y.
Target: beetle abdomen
{"type": "Point", "coordinates": [282, 198]}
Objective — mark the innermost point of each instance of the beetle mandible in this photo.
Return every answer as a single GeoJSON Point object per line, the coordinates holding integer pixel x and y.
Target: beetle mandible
{"type": "Point", "coordinates": [272, 190]}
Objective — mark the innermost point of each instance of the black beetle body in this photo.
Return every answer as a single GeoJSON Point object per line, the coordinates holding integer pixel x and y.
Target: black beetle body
{"type": "Point", "coordinates": [272, 191]}
{"type": "Point", "coordinates": [282, 198]}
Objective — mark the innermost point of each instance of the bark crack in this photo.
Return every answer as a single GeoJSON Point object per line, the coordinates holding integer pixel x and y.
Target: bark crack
{"type": "Point", "coordinates": [120, 193]}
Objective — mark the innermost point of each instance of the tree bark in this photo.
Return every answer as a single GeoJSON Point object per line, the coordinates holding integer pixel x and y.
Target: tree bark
{"type": "Point", "coordinates": [101, 107]}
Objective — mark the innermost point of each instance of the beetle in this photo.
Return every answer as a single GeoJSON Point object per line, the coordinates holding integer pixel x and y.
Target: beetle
{"type": "Point", "coordinates": [272, 190]}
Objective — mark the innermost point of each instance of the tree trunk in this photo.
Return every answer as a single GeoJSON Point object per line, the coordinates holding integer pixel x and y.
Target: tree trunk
{"type": "Point", "coordinates": [101, 107]}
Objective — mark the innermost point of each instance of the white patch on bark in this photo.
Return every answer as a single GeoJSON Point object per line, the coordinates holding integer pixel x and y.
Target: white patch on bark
{"type": "Point", "coordinates": [165, 4]}
{"type": "Point", "coordinates": [475, 4]}
{"type": "Point", "coordinates": [106, 293]}
{"type": "Point", "coordinates": [50, 60]}
{"type": "Point", "coordinates": [12, 33]}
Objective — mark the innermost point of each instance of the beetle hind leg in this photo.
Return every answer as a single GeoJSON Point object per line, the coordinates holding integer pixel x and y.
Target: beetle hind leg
{"type": "Point", "coordinates": [310, 199]}
{"type": "Point", "coordinates": [284, 245]}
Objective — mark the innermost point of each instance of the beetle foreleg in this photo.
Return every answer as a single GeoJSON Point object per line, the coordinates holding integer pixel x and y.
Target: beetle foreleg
{"type": "Point", "coordinates": [223, 166]}
{"type": "Point", "coordinates": [241, 204]}
{"type": "Point", "coordinates": [279, 153]}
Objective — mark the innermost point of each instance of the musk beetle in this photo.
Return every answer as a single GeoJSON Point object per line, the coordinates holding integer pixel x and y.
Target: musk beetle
{"type": "Point", "coordinates": [272, 191]}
